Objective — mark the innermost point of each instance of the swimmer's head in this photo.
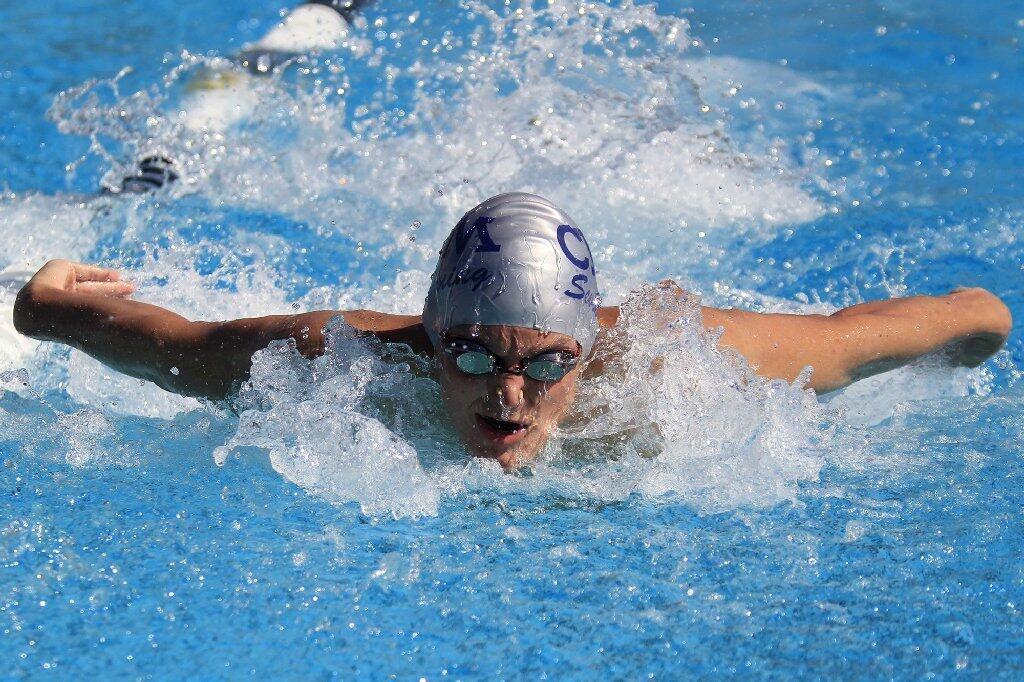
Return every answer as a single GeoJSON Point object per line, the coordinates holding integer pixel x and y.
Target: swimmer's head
{"type": "Point", "coordinates": [516, 260]}
{"type": "Point", "coordinates": [517, 279]}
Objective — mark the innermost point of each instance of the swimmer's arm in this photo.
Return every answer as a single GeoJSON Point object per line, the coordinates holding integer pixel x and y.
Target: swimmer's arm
{"type": "Point", "coordinates": [87, 308]}
{"type": "Point", "coordinates": [967, 326]}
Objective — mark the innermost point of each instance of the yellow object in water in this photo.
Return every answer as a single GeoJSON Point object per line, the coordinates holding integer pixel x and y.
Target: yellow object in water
{"type": "Point", "coordinates": [216, 79]}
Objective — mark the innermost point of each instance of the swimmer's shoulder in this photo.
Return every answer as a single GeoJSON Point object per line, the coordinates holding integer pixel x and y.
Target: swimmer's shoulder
{"type": "Point", "coordinates": [608, 316]}
{"type": "Point", "coordinates": [390, 328]}
{"type": "Point", "coordinates": [308, 329]}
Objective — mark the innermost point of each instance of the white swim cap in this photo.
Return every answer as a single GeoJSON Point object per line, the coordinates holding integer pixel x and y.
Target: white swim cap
{"type": "Point", "coordinates": [516, 260]}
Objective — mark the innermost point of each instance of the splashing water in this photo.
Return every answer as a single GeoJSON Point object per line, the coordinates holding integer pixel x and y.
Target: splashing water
{"type": "Point", "coordinates": [662, 419]}
{"type": "Point", "coordinates": [597, 108]}
{"type": "Point", "coordinates": [689, 516]}
{"type": "Point", "coordinates": [580, 102]}
{"type": "Point", "coordinates": [307, 415]}
{"type": "Point", "coordinates": [720, 436]}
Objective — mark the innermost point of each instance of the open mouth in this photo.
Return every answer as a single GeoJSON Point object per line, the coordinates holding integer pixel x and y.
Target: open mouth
{"type": "Point", "coordinates": [499, 429]}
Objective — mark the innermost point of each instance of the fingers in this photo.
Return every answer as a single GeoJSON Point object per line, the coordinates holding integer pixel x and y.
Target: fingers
{"type": "Point", "coordinates": [64, 274]}
{"type": "Point", "coordinates": [69, 276]}
{"type": "Point", "coordinates": [92, 279]}
{"type": "Point", "coordinates": [107, 288]}
{"type": "Point", "coordinates": [94, 273]}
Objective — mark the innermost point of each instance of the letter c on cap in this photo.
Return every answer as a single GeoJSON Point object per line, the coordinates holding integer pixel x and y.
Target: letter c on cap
{"type": "Point", "coordinates": [581, 263]}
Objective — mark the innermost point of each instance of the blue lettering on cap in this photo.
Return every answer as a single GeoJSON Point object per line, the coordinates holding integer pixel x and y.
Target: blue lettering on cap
{"type": "Point", "coordinates": [581, 263]}
{"type": "Point", "coordinates": [580, 293]}
{"type": "Point", "coordinates": [480, 278]}
{"type": "Point", "coordinates": [479, 226]}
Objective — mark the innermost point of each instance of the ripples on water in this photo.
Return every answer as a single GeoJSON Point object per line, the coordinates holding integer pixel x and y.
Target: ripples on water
{"type": "Point", "coordinates": [699, 520]}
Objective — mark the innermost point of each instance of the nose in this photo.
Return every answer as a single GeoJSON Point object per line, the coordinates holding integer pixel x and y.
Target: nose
{"type": "Point", "coordinates": [510, 389]}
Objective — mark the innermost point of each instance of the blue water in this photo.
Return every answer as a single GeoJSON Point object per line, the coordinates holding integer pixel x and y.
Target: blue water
{"type": "Point", "coordinates": [776, 156]}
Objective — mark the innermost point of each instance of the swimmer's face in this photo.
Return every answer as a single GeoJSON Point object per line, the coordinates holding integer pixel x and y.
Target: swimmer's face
{"type": "Point", "coordinates": [504, 416]}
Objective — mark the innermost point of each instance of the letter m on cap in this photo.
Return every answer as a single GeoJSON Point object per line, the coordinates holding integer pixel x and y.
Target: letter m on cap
{"type": "Point", "coordinates": [463, 234]}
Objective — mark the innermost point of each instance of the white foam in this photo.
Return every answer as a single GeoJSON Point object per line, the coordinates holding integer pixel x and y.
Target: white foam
{"type": "Point", "coordinates": [594, 110]}
{"type": "Point", "coordinates": [35, 228]}
{"type": "Point", "coordinates": [719, 436]}
{"type": "Point", "coordinates": [219, 100]}
{"type": "Point", "coordinates": [168, 279]}
{"type": "Point", "coordinates": [871, 401]}
{"type": "Point", "coordinates": [15, 349]}
{"type": "Point", "coordinates": [307, 415]}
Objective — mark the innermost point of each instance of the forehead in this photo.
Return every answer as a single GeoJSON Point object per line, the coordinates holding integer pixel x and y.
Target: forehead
{"type": "Point", "coordinates": [508, 340]}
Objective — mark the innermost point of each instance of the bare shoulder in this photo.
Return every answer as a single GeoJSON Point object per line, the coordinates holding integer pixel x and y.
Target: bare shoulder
{"type": "Point", "coordinates": [308, 328]}
{"type": "Point", "coordinates": [608, 316]}
{"type": "Point", "coordinates": [737, 324]}
{"type": "Point", "coordinates": [775, 344]}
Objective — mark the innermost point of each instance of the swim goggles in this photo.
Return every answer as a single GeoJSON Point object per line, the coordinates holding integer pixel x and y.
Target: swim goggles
{"type": "Point", "coordinates": [472, 358]}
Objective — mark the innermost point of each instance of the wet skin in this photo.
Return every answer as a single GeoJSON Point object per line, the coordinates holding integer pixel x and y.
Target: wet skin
{"type": "Point", "coordinates": [529, 409]}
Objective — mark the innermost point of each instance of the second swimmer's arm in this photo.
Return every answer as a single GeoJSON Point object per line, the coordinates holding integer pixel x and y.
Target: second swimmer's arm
{"type": "Point", "coordinates": [86, 307]}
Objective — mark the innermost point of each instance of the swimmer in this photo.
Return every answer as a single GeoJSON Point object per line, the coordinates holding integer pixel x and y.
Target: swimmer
{"type": "Point", "coordinates": [220, 98]}
{"type": "Point", "coordinates": [511, 319]}
{"type": "Point", "coordinates": [312, 26]}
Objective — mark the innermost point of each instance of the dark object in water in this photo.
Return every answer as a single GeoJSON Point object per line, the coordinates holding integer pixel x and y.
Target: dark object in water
{"type": "Point", "coordinates": [154, 172]}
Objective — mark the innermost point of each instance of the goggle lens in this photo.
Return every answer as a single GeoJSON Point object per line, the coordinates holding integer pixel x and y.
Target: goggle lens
{"type": "Point", "coordinates": [546, 370]}
{"type": "Point", "coordinates": [474, 362]}
{"type": "Point", "coordinates": [478, 362]}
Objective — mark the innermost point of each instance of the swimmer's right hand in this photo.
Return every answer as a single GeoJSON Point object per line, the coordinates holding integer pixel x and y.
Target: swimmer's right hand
{"type": "Point", "coordinates": [67, 276]}
{"type": "Point", "coordinates": [60, 283]}
{"type": "Point", "coordinates": [88, 307]}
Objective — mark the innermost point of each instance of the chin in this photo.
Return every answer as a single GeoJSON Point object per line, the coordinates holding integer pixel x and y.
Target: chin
{"type": "Point", "coordinates": [510, 458]}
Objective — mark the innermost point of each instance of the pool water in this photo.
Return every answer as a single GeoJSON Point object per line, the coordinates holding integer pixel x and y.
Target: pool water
{"type": "Point", "coordinates": [326, 523]}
